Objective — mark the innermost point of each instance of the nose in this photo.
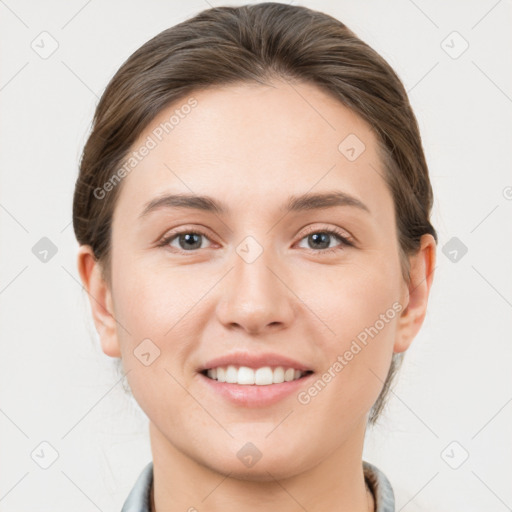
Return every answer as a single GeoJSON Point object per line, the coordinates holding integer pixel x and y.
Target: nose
{"type": "Point", "coordinates": [255, 296]}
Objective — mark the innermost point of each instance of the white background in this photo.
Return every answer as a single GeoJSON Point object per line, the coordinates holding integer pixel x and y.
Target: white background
{"type": "Point", "coordinates": [57, 386]}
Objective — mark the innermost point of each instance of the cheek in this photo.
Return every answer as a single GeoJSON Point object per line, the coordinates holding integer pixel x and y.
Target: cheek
{"type": "Point", "coordinates": [157, 310]}
{"type": "Point", "coordinates": [162, 312]}
{"type": "Point", "coordinates": [153, 302]}
{"type": "Point", "coordinates": [362, 311]}
{"type": "Point", "coordinates": [358, 297]}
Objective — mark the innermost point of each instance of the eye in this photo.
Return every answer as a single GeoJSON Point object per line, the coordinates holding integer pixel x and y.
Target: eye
{"type": "Point", "coordinates": [190, 240]}
{"type": "Point", "coordinates": [187, 240]}
{"type": "Point", "coordinates": [320, 240]}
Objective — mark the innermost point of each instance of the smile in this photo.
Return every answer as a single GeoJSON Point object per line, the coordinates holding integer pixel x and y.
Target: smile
{"type": "Point", "coordinates": [263, 376]}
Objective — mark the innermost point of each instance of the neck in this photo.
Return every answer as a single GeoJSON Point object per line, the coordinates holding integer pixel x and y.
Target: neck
{"type": "Point", "coordinates": [182, 482]}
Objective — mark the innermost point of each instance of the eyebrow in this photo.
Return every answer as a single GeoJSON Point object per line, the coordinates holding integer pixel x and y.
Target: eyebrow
{"type": "Point", "coordinates": [305, 202]}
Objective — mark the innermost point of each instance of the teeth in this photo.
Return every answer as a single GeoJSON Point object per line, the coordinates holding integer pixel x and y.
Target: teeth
{"type": "Point", "coordinates": [247, 376]}
{"type": "Point", "coordinates": [231, 375]}
{"type": "Point", "coordinates": [221, 374]}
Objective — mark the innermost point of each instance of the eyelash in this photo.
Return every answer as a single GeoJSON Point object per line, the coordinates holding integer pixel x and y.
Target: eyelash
{"type": "Point", "coordinates": [333, 232]}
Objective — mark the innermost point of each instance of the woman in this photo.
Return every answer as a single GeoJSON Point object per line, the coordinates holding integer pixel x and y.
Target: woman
{"type": "Point", "coordinates": [253, 217]}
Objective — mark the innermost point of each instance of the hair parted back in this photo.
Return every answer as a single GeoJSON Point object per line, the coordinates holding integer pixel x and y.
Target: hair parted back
{"type": "Point", "coordinates": [255, 44]}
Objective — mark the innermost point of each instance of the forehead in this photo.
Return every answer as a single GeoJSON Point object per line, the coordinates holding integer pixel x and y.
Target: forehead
{"type": "Point", "coordinates": [255, 144]}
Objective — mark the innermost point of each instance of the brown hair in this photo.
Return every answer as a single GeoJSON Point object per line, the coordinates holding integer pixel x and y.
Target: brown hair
{"type": "Point", "coordinates": [247, 44]}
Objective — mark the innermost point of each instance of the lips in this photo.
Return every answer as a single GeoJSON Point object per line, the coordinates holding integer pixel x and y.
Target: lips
{"type": "Point", "coordinates": [244, 396]}
{"type": "Point", "coordinates": [254, 361]}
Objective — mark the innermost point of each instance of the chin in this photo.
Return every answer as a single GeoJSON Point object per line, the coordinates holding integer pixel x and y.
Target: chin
{"type": "Point", "coordinates": [260, 472]}
{"type": "Point", "coordinates": [249, 464]}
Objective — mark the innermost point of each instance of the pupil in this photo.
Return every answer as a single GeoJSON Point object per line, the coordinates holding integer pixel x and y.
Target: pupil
{"type": "Point", "coordinates": [324, 236]}
{"type": "Point", "coordinates": [188, 237]}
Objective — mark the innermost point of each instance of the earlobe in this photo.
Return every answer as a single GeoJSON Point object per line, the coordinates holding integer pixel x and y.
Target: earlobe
{"type": "Point", "coordinates": [422, 265]}
{"type": "Point", "coordinates": [100, 299]}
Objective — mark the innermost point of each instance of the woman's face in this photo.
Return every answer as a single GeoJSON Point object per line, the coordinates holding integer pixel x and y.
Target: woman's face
{"type": "Point", "coordinates": [260, 278]}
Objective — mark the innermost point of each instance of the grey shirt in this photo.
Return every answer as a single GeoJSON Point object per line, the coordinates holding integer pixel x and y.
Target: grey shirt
{"type": "Point", "coordinates": [139, 498]}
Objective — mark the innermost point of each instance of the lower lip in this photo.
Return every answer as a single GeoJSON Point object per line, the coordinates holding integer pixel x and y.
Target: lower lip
{"type": "Point", "coordinates": [253, 395]}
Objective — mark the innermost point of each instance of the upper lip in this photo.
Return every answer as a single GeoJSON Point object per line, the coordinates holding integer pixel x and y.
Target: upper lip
{"type": "Point", "coordinates": [254, 361]}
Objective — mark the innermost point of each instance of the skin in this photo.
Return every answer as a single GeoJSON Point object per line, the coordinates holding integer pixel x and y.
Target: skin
{"type": "Point", "coordinates": [252, 146]}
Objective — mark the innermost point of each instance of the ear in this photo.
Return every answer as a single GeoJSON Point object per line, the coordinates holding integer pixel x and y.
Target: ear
{"type": "Point", "coordinates": [422, 266]}
{"type": "Point", "coordinates": [100, 298]}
